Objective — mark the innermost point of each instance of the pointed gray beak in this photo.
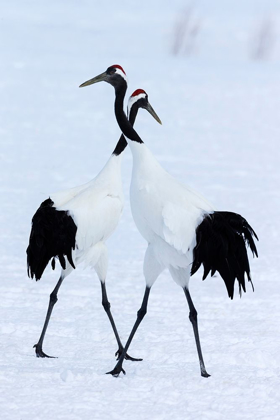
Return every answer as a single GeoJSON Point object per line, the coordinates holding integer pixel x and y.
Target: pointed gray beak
{"type": "Point", "coordinates": [100, 78]}
{"type": "Point", "coordinates": [151, 110]}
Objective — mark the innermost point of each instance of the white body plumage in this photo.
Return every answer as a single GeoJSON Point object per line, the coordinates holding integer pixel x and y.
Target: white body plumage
{"type": "Point", "coordinates": [96, 208]}
{"type": "Point", "coordinates": [166, 213]}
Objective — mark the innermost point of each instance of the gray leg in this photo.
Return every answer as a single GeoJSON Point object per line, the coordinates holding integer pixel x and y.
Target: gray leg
{"type": "Point", "coordinates": [106, 305]}
{"type": "Point", "coordinates": [140, 315]}
{"type": "Point", "coordinates": [52, 302]}
{"type": "Point", "coordinates": [193, 319]}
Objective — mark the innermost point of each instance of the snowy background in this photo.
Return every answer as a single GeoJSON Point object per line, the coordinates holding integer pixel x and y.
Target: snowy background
{"type": "Point", "coordinates": [219, 101]}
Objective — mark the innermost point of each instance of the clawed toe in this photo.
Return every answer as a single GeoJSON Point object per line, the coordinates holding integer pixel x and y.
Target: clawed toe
{"type": "Point", "coordinates": [205, 374]}
{"type": "Point", "coordinates": [127, 357]}
{"type": "Point", "coordinates": [115, 372]}
{"type": "Point", "coordinates": [133, 359]}
{"type": "Point", "coordinates": [39, 352]}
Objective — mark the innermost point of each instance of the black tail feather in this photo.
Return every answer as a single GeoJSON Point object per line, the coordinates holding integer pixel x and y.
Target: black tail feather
{"type": "Point", "coordinates": [221, 241]}
{"type": "Point", "coordinates": [53, 234]}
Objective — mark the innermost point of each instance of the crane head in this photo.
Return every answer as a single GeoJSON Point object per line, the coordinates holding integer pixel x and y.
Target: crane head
{"type": "Point", "coordinates": [139, 98]}
{"type": "Point", "coordinates": [115, 75]}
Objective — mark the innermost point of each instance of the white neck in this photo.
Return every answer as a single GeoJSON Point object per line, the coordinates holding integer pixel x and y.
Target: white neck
{"type": "Point", "coordinates": [132, 101]}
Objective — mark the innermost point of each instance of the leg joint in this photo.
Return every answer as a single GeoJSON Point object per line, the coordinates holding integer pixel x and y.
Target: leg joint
{"type": "Point", "coordinates": [106, 305]}
{"type": "Point", "coordinates": [53, 298]}
{"type": "Point", "coordinates": [141, 313]}
{"type": "Point", "coordinates": [193, 315]}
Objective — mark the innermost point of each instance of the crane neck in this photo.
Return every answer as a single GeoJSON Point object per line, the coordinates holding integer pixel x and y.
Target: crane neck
{"type": "Point", "coordinates": [120, 146]}
{"type": "Point", "coordinates": [122, 120]}
{"type": "Point", "coordinates": [122, 143]}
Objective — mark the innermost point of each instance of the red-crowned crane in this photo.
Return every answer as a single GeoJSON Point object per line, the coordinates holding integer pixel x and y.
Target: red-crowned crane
{"type": "Point", "coordinates": [73, 225]}
{"type": "Point", "coordinates": [182, 229]}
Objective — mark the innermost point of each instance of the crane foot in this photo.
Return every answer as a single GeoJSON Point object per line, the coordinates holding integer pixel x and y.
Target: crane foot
{"type": "Point", "coordinates": [39, 352]}
{"type": "Point", "coordinates": [205, 374]}
{"type": "Point", "coordinates": [127, 357]}
{"type": "Point", "coordinates": [116, 371]}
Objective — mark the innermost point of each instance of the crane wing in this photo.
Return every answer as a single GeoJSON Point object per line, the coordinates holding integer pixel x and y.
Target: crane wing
{"type": "Point", "coordinates": [52, 235]}
{"type": "Point", "coordinates": [96, 215]}
{"type": "Point", "coordinates": [221, 242]}
{"type": "Point", "coordinates": [179, 225]}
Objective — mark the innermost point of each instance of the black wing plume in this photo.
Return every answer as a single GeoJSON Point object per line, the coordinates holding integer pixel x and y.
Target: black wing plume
{"type": "Point", "coordinates": [52, 235]}
{"type": "Point", "coordinates": [221, 245]}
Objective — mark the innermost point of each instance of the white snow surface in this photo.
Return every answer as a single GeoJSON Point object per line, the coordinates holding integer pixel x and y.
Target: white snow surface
{"type": "Point", "coordinates": [220, 135]}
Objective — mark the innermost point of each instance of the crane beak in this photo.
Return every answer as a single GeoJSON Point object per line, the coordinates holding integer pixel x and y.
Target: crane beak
{"type": "Point", "coordinates": [100, 78]}
{"type": "Point", "coordinates": [151, 110]}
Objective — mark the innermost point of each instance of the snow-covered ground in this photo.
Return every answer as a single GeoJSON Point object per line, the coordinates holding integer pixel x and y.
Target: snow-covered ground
{"type": "Point", "coordinates": [220, 134]}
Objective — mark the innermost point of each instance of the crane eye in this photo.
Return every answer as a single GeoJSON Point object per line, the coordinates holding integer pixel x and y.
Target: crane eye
{"type": "Point", "coordinates": [111, 70]}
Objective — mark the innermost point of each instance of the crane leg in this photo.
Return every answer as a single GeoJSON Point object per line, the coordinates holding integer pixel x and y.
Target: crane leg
{"type": "Point", "coordinates": [53, 299]}
{"type": "Point", "coordinates": [107, 307]}
{"type": "Point", "coordinates": [140, 315]}
{"type": "Point", "coordinates": [193, 319]}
